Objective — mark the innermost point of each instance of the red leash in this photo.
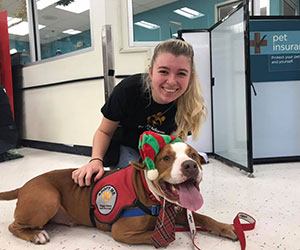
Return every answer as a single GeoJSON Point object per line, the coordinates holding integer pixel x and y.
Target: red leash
{"type": "Point", "coordinates": [238, 226]}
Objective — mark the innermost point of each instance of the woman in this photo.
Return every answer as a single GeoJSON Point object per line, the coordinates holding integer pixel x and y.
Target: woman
{"type": "Point", "coordinates": [167, 100]}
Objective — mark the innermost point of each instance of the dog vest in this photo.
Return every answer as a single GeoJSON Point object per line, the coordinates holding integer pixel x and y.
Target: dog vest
{"type": "Point", "coordinates": [112, 195]}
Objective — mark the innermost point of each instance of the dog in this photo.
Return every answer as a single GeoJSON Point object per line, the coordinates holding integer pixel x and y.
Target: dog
{"type": "Point", "coordinates": [54, 197]}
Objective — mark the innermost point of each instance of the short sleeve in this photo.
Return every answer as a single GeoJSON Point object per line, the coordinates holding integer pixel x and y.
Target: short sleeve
{"type": "Point", "coordinates": [113, 109]}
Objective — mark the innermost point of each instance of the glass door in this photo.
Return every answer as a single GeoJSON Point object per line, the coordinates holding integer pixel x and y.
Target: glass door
{"type": "Point", "coordinates": [231, 90]}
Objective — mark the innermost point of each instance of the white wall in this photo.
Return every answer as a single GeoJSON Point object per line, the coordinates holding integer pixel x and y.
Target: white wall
{"type": "Point", "coordinates": [70, 113]}
{"type": "Point", "coordinates": [67, 113]}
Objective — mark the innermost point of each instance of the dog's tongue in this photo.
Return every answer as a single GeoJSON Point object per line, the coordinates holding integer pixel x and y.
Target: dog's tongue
{"type": "Point", "coordinates": [190, 197]}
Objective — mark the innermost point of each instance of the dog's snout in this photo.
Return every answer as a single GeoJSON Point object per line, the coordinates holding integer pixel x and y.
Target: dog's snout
{"type": "Point", "coordinates": [189, 168]}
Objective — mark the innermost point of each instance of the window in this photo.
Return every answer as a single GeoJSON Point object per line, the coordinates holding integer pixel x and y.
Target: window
{"type": "Point", "coordinates": [18, 28]}
{"type": "Point", "coordinates": [159, 20]}
{"type": "Point", "coordinates": [151, 21]}
{"type": "Point", "coordinates": [47, 28]}
{"type": "Point", "coordinates": [65, 26]}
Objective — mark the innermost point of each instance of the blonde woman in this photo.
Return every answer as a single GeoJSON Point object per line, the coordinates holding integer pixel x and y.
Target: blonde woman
{"type": "Point", "coordinates": [167, 100]}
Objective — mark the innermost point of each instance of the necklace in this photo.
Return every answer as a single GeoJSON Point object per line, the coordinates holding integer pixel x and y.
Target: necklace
{"type": "Point", "coordinates": [171, 106]}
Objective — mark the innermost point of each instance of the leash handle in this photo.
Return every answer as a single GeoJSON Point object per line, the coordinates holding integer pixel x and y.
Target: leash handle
{"type": "Point", "coordinates": [240, 228]}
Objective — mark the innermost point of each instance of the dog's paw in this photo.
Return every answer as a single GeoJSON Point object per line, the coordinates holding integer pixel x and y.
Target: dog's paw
{"type": "Point", "coordinates": [41, 237]}
{"type": "Point", "coordinates": [228, 231]}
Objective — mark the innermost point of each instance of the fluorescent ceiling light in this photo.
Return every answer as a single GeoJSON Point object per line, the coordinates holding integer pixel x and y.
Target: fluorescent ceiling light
{"type": "Point", "coordinates": [189, 13]}
{"type": "Point", "coordinates": [72, 31]}
{"type": "Point", "coordinates": [11, 21]}
{"type": "Point", "coordinates": [42, 4]}
{"type": "Point", "coordinates": [21, 29]}
{"type": "Point", "coordinates": [78, 6]}
{"type": "Point", "coordinates": [147, 25]}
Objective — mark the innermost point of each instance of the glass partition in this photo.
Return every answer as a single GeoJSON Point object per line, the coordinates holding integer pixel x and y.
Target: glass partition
{"type": "Point", "coordinates": [200, 40]}
{"type": "Point", "coordinates": [231, 138]}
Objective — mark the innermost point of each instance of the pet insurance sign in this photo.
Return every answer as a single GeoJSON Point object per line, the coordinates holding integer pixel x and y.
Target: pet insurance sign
{"type": "Point", "coordinates": [275, 50]}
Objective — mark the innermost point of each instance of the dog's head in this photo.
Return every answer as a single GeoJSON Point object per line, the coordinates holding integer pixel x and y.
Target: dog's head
{"type": "Point", "coordinates": [179, 175]}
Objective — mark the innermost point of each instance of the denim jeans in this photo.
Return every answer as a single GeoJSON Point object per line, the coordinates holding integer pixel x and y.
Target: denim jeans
{"type": "Point", "coordinates": [126, 154]}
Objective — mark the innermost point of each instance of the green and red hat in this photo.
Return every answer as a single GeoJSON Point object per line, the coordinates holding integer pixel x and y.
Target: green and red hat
{"type": "Point", "coordinates": [150, 144]}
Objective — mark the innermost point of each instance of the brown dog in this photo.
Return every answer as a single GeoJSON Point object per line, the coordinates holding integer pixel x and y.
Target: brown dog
{"type": "Point", "coordinates": [54, 197]}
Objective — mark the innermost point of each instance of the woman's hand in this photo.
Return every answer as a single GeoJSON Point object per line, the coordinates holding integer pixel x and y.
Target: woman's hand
{"type": "Point", "coordinates": [82, 176]}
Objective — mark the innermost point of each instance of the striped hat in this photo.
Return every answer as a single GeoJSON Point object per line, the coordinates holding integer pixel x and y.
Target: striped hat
{"type": "Point", "coordinates": [149, 146]}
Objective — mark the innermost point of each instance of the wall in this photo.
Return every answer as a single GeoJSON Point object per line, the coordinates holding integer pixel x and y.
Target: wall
{"type": "Point", "coordinates": [275, 7]}
{"type": "Point", "coordinates": [70, 113]}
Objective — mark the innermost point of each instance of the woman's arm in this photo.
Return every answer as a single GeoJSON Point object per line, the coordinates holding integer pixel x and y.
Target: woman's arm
{"type": "Point", "coordinates": [101, 141]}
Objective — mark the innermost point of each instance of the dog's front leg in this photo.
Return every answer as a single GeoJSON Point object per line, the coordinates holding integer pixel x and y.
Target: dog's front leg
{"type": "Point", "coordinates": [211, 225]}
{"type": "Point", "coordinates": [134, 230]}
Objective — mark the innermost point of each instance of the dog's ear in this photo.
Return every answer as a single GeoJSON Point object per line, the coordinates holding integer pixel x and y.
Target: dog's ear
{"type": "Point", "coordinates": [138, 164]}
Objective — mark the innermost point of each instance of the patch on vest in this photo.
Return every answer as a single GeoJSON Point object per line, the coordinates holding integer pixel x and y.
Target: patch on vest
{"type": "Point", "coordinates": [106, 199]}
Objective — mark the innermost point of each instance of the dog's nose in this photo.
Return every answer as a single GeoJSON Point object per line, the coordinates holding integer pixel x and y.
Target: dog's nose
{"type": "Point", "coordinates": [189, 168]}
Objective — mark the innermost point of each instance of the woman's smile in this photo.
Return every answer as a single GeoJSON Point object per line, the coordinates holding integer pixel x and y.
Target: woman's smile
{"type": "Point", "coordinates": [169, 90]}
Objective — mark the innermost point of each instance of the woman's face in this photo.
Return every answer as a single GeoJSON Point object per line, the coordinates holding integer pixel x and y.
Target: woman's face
{"type": "Point", "coordinates": [170, 77]}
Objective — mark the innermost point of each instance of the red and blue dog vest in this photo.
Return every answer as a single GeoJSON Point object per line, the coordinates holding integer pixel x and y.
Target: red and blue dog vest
{"type": "Point", "coordinates": [112, 195]}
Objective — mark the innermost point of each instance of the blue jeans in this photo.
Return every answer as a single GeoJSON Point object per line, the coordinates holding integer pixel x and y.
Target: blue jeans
{"type": "Point", "coordinates": [126, 154]}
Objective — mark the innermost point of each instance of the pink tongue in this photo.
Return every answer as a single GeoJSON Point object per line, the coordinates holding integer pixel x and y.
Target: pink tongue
{"type": "Point", "coordinates": [190, 197]}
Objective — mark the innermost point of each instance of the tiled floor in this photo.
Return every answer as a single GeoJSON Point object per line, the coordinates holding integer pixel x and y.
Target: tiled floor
{"type": "Point", "coordinates": [272, 197]}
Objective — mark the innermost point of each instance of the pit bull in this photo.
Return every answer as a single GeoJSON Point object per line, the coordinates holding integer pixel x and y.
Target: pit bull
{"type": "Point", "coordinates": [54, 197]}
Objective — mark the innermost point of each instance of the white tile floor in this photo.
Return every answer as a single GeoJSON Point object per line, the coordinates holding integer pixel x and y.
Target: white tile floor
{"type": "Point", "coordinates": [272, 197]}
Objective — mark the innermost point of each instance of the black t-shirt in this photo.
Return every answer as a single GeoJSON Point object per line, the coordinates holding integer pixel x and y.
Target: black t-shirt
{"type": "Point", "coordinates": [137, 112]}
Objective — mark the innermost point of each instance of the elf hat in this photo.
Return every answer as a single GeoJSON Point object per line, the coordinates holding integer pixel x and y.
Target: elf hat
{"type": "Point", "coordinates": [149, 146]}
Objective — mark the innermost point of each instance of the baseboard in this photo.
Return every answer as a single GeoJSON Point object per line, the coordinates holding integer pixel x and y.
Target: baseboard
{"type": "Point", "coordinates": [57, 147]}
{"type": "Point", "coordinates": [278, 159]}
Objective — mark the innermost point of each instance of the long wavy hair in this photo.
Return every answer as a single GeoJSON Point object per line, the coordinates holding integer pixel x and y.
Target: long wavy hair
{"type": "Point", "coordinates": [191, 109]}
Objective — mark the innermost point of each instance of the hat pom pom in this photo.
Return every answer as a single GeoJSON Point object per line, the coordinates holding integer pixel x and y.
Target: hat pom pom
{"type": "Point", "coordinates": [152, 174]}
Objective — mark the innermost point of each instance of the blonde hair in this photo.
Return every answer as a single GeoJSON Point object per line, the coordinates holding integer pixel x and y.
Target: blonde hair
{"type": "Point", "coordinates": [191, 110]}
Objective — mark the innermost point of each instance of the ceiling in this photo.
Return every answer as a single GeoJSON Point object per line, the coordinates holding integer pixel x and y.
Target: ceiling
{"type": "Point", "coordinates": [140, 6]}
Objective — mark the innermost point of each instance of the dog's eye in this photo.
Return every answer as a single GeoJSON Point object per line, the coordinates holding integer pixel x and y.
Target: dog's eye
{"type": "Point", "coordinates": [166, 158]}
{"type": "Point", "coordinates": [193, 156]}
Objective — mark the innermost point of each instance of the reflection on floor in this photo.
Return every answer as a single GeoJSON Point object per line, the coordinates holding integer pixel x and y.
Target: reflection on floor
{"type": "Point", "coordinates": [272, 197]}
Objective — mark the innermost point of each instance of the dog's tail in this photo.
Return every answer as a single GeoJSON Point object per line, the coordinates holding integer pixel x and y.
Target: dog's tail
{"type": "Point", "coordinates": [9, 195]}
